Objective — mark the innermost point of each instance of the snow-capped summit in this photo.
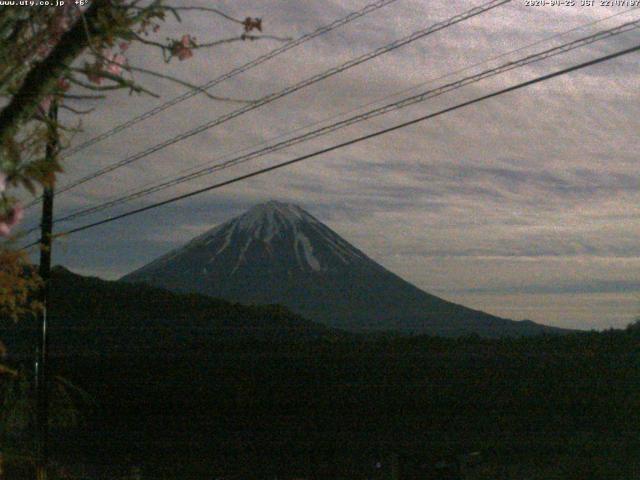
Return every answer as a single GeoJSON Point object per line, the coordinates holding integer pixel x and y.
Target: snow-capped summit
{"type": "Point", "coordinates": [272, 219]}
{"type": "Point", "coordinates": [271, 214]}
{"type": "Point", "coordinates": [274, 234]}
{"type": "Point", "coordinates": [279, 253]}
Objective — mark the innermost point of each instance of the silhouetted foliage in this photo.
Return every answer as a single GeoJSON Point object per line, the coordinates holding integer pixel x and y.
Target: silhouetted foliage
{"type": "Point", "coordinates": [190, 387]}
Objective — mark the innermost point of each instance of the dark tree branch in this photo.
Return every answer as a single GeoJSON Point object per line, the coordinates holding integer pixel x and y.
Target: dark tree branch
{"type": "Point", "coordinates": [43, 77]}
{"type": "Point", "coordinates": [96, 88]}
{"type": "Point", "coordinates": [120, 82]}
{"type": "Point", "coordinates": [74, 96]}
{"type": "Point", "coordinates": [241, 38]}
{"type": "Point", "coordinates": [186, 84]}
{"type": "Point", "coordinates": [76, 110]}
{"type": "Point", "coordinates": [205, 9]}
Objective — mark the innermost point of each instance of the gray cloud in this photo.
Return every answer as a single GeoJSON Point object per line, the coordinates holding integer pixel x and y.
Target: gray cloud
{"type": "Point", "coordinates": [515, 205]}
{"type": "Point", "coordinates": [592, 286]}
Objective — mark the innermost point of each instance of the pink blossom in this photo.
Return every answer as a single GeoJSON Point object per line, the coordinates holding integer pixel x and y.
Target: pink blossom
{"type": "Point", "coordinates": [93, 73]}
{"type": "Point", "coordinates": [64, 84]}
{"type": "Point", "coordinates": [115, 63]}
{"type": "Point", "coordinates": [108, 62]}
{"type": "Point", "coordinates": [11, 219]}
{"type": "Point", "coordinates": [45, 104]}
{"type": "Point", "coordinates": [15, 215]}
{"type": "Point", "coordinates": [124, 46]}
{"type": "Point", "coordinates": [94, 78]}
{"type": "Point", "coordinates": [184, 53]}
{"type": "Point", "coordinates": [183, 48]}
{"type": "Point", "coordinates": [58, 26]}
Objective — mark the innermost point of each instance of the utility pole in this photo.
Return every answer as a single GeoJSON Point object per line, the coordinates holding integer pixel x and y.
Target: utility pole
{"type": "Point", "coordinates": [42, 380]}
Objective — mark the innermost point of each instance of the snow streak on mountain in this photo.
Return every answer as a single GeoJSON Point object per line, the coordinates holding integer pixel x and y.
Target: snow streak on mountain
{"type": "Point", "coordinates": [279, 253]}
{"type": "Point", "coordinates": [281, 233]}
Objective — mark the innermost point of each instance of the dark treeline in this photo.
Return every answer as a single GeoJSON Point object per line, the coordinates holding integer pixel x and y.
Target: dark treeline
{"type": "Point", "coordinates": [281, 397]}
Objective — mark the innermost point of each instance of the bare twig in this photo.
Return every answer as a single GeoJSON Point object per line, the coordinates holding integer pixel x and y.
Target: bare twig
{"type": "Point", "coordinates": [188, 85]}
{"type": "Point", "coordinates": [88, 33]}
{"type": "Point", "coordinates": [241, 38]}
{"type": "Point", "coordinates": [76, 110]}
{"type": "Point", "coordinates": [69, 96]}
{"type": "Point", "coordinates": [121, 82]}
{"type": "Point", "coordinates": [97, 88]}
{"type": "Point", "coordinates": [273, 37]}
{"type": "Point", "coordinates": [151, 42]}
{"type": "Point", "coordinates": [205, 9]}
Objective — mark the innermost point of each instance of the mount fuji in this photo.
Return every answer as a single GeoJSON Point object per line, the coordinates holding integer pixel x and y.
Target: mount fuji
{"type": "Point", "coordinates": [277, 253]}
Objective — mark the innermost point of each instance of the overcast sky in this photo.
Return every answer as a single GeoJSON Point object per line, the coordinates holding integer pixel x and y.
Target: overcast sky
{"type": "Point", "coordinates": [526, 205]}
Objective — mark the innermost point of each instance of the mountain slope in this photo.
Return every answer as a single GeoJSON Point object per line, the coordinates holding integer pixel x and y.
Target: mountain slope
{"type": "Point", "coordinates": [279, 253]}
{"type": "Point", "coordinates": [88, 315]}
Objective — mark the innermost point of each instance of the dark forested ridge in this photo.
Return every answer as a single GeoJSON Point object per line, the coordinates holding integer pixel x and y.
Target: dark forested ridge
{"type": "Point", "coordinates": [93, 316]}
{"type": "Point", "coordinates": [184, 393]}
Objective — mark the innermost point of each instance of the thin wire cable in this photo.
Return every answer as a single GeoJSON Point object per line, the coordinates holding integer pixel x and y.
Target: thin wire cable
{"type": "Point", "coordinates": [236, 71]}
{"type": "Point", "coordinates": [291, 89]}
{"type": "Point", "coordinates": [350, 142]}
{"type": "Point", "coordinates": [148, 189]}
{"type": "Point", "coordinates": [403, 103]}
{"type": "Point", "coordinates": [197, 168]}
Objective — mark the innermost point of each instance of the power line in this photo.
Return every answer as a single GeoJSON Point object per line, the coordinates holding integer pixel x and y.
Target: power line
{"type": "Point", "coordinates": [350, 142]}
{"type": "Point", "coordinates": [291, 89]}
{"type": "Point", "coordinates": [376, 112]}
{"type": "Point", "coordinates": [236, 71]}
{"type": "Point", "coordinates": [198, 168]}
{"type": "Point", "coordinates": [403, 103]}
